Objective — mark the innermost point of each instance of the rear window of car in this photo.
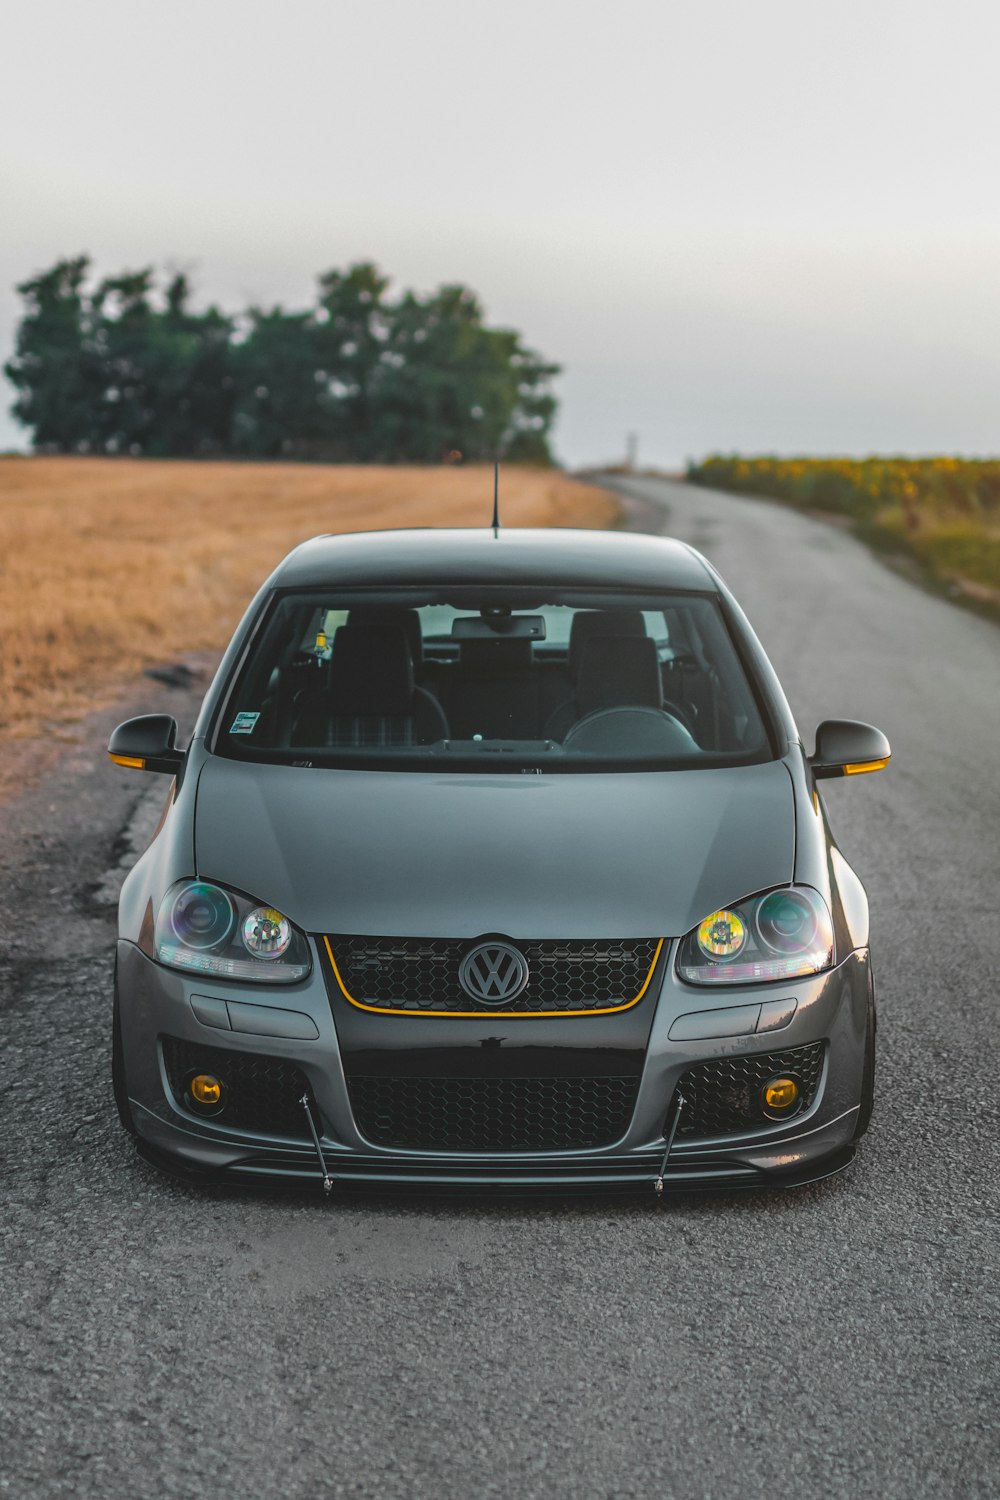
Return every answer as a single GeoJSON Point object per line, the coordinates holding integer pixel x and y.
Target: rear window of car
{"type": "Point", "coordinates": [489, 680]}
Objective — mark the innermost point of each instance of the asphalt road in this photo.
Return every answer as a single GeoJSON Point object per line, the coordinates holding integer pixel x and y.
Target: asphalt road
{"type": "Point", "coordinates": [159, 1340]}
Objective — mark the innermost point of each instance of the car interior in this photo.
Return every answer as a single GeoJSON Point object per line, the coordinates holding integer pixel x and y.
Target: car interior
{"type": "Point", "coordinates": [561, 680]}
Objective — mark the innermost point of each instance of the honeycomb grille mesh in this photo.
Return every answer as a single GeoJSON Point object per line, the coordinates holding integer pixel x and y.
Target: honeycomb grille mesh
{"type": "Point", "coordinates": [262, 1093]}
{"type": "Point", "coordinates": [421, 974]}
{"type": "Point", "coordinates": [493, 1114]}
{"type": "Point", "coordinates": [723, 1096]}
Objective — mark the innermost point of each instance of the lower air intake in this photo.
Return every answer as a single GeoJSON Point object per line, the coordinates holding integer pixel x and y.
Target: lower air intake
{"type": "Point", "coordinates": [493, 1114]}
{"type": "Point", "coordinates": [262, 1093]}
{"type": "Point", "coordinates": [722, 1097]}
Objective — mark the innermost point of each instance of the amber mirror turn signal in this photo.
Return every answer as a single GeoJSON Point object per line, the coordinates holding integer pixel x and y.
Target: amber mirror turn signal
{"type": "Point", "coordinates": [147, 744]}
{"type": "Point", "coordinates": [846, 747]}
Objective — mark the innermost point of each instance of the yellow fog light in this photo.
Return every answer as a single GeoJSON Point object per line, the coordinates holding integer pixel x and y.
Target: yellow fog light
{"type": "Point", "coordinates": [779, 1096]}
{"type": "Point", "coordinates": [207, 1091]}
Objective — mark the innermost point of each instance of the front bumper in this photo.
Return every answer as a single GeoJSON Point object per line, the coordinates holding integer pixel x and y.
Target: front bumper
{"type": "Point", "coordinates": [833, 1008]}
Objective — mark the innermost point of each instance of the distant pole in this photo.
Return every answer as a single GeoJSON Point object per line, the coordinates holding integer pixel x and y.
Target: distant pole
{"type": "Point", "coordinates": [631, 450]}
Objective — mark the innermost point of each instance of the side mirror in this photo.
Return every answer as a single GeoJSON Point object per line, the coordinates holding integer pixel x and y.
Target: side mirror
{"type": "Point", "coordinates": [147, 744]}
{"type": "Point", "coordinates": [845, 747]}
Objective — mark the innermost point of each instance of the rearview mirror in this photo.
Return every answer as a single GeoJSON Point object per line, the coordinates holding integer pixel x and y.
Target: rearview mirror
{"type": "Point", "coordinates": [845, 747]}
{"type": "Point", "coordinates": [490, 627]}
{"type": "Point", "coordinates": [147, 744]}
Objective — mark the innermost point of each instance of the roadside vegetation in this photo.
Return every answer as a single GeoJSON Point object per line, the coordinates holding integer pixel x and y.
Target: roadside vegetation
{"type": "Point", "coordinates": [128, 365]}
{"type": "Point", "coordinates": [113, 565]}
{"type": "Point", "coordinates": [942, 512]}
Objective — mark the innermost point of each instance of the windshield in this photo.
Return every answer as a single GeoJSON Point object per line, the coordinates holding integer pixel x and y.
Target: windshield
{"type": "Point", "coordinates": [487, 680]}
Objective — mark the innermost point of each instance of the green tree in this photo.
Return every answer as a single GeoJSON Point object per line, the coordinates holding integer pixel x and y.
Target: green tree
{"type": "Point", "coordinates": [166, 384]}
{"type": "Point", "coordinates": [278, 407]}
{"type": "Point", "coordinates": [123, 340]}
{"type": "Point", "coordinates": [351, 325]}
{"type": "Point", "coordinates": [455, 384]}
{"type": "Point", "coordinates": [361, 376]}
{"type": "Point", "coordinates": [196, 380]}
{"type": "Point", "coordinates": [52, 368]}
{"type": "Point", "coordinates": [109, 371]}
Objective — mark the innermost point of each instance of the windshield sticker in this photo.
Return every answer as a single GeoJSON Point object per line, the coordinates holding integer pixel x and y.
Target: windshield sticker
{"type": "Point", "coordinates": [244, 724]}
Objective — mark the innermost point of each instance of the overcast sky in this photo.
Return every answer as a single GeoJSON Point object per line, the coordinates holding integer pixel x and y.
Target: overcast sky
{"type": "Point", "coordinates": [771, 225]}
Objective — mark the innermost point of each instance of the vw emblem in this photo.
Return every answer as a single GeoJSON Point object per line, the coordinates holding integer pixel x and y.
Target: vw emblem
{"type": "Point", "coordinates": [493, 973]}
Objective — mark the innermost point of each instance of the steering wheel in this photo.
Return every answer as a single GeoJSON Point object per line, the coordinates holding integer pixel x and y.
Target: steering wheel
{"type": "Point", "coordinates": [639, 731]}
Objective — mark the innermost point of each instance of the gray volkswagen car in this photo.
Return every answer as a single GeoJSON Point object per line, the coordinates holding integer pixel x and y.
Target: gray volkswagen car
{"type": "Point", "coordinates": [495, 860]}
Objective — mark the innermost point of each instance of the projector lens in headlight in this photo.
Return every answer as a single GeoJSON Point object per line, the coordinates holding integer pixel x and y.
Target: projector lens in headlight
{"type": "Point", "coordinates": [266, 933]}
{"type": "Point", "coordinates": [721, 935]}
{"type": "Point", "coordinates": [201, 915]}
{"type": "Point", "coordinates": [786, 922]}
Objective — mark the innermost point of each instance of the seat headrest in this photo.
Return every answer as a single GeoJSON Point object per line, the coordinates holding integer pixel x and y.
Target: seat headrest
{"type": "Point", "coordinates": [371, 671]}
{"type": "Point", "coordinates": [510, 654]}
{"type": "Point", "coordinates": [374, 616]}
{"type": "Point", "coordinates": [590, 622]}
{"type": "Point", "coordinates": [619, 671]}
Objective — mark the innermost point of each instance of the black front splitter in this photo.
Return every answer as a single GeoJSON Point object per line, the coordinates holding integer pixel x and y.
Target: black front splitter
{"type": "Point", "coordinates": [294, 1170]}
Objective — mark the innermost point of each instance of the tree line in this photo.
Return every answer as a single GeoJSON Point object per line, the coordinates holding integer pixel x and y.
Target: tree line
{"type": "Point", "coordinates": [126, 365]}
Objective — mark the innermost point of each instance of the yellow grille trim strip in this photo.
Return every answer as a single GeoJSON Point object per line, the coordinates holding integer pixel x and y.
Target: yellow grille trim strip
{"type": "Point", "coordinates": [481, 1015]}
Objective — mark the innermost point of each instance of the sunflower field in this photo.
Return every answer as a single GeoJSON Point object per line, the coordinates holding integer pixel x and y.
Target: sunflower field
{"type": "Point", "coordinates": [945, 512]}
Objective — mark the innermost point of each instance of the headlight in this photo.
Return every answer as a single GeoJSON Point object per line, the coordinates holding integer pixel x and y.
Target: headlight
{"type": "Point", "coordinates": [776, 936]}
{"type": "Point", "coordinates": [205, 929]}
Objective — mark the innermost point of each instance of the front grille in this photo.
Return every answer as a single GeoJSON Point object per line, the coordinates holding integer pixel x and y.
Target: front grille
{"type": "Point", "coordinates": [421, 974]}
{"type": "Point", "coordinates": [262, 1093]}
{"type": "Point", "coordinates": [493, 1114]}
{"type": "Point", "coordinates": [723, 1096]}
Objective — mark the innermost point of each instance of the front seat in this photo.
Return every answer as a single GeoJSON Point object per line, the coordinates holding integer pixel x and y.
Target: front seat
{"type": "Point", "coordinates": [609, 670]}
{"type": "Point", "coordinates": [588, 623]}
{"type": "Point", "coordinates": [619, 703]}
{"type": "Point", "coordinates": [372, 699]}
{"type": "Point", "coordinates": [557, 680]}
{"type": "Point", "coordinates": [379, 616]}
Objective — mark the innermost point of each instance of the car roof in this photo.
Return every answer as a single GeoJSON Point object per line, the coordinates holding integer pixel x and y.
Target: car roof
{"type": "Point", "coordinates": [555, 558]}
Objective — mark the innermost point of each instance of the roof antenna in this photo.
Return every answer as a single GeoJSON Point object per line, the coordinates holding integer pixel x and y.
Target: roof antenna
{"type": "Point", "coordinates": [496, 498]}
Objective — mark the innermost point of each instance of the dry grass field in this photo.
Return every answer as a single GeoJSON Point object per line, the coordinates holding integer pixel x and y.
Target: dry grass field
{"type": "Point", "coordinates": [111, 565]}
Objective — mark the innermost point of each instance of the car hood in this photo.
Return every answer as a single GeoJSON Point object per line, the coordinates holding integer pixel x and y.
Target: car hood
{"type": "Point", "coordinates": [423, 855]}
